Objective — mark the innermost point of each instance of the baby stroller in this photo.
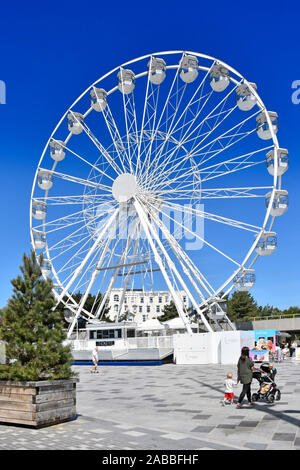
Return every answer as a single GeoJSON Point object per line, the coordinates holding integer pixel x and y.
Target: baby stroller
{"type": "Point", "coordinates": [267, 387]}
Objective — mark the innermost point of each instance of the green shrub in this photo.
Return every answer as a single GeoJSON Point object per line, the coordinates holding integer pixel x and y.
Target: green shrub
{"type": "Point", "coordinates": [32, 330]}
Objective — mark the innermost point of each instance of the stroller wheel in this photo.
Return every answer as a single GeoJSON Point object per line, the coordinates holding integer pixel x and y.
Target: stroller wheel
{"type": "Point", "coordinates": [255, 396]}
{"type": "Point", "coordinates": [277, 395]}
{"type": "Point", "coordinates": [270, 398]}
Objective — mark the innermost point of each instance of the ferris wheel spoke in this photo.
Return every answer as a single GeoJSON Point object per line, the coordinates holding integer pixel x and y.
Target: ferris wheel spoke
{"type": "Point", "coordinates": [191, 171]}
{"type": "Point", "coordinates": [237, 161]}
{"type": "Point", "coordinates": [130, 125]}
{"type": "Point", "coordinates": [94, 167]}
{"type": "Point", "coordinates": [199, 237]}
{"type": "Point", "coordinates": [169, 127]}
{"type": "Point", "coordinates": [190, 155]}
{"type": "Point", "coordinates": [238, 167]}
{"type": "Point", "coordinates": [88, 255]}
{"type": "Point", "coordinates": [90, 284]}
{"type": "Point", "coordinates": [194, 137]}
{"type": "Point", "coordinates": [147, 163]}
{"type": "Point", "coordinates": [149, 128]}
{"type": "Point", "coordinates": [216, 193]}
{"type": "Point", "coordinates": [65, 247]}
{"type": "Point", "coordinates": [128, 274]}
{"type": "Point", "coordinates": [82, 181]}
{"type": "Point", "coordinates": [98, 144]}
{"type": "Point", "coordinates": [195, 100]}
{"type": "Point", "coordinates": [79, 232]}
{"type": "Point", "coordinates": [76, 258]}
{"type": "Point", "coordinates": [188, 266]}
{"type": "Point", "coordinates": [225, 135]}
{"type": "Point", "coordinates": [74, 218]}
{"type": "Point", "coordinates": [82, 279]}
{"type": "Point", "coordinates": [146, 100]}
{"type": "Point", "coordinates": [116, 271]}
{"type": "Point", "coordinates": [116, 137]}
{"type": "Point", "coordinates": [229, 193]}
{"type": "Point", "coordinates": [214, 217]}
{"type": "Point", "coordinates": [148, 229]}
{"type": "Point", "coordinates": [74, 200]}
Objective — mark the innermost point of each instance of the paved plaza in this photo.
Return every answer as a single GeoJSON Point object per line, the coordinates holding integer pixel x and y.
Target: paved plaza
{"type": "Point", "coordinates": [168, 407]}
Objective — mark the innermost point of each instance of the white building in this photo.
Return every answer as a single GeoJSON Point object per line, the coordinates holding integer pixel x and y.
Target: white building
{"type": "Point", "coordinates": [141, 305]}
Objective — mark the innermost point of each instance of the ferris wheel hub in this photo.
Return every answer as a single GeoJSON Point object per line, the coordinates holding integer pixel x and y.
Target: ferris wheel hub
{"type": "Point", "coordinates": [124, 187]}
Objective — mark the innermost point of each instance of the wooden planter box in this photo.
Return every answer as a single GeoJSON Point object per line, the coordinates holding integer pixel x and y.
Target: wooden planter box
{"type": "Point", "coordinates": [38, 404]}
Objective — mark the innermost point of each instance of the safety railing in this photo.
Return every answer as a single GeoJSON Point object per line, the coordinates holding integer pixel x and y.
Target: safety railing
{"type": "Point", "coordinates": [158, 342]}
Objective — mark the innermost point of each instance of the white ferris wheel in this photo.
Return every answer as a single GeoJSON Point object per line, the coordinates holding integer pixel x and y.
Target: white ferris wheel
{"type": "Point", "coordinates": [165, 173]}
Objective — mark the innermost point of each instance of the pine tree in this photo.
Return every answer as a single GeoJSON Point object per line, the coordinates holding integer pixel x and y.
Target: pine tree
{"type": "Point", "coordinates": [169, 311]}
{"type": "Point", "coordinates": [32, 331]}
{"type": "Point", "coordinates": [241, 305]}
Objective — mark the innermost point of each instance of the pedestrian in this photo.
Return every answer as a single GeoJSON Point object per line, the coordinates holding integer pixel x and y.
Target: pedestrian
{"type": "Point", "coordinates": [285, 352]}
{"type": "Point", "coordinates": [229, 394]}
{"type": "Point", "coordinates": [294, 346]}
{"type": "Point", "coordinates": [278, 353]}
{"type": "Point", "coordinates": [95, 360]}
{"type": "Point", "coordinates": [245, 367]}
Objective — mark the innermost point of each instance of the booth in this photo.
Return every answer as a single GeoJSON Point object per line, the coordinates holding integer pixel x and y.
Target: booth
{"type": "Point", "coordinates": [265, 342]}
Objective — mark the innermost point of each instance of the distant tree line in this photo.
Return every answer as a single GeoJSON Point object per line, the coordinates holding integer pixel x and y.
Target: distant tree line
{"type": "Point", "coordinates": [241, 306]}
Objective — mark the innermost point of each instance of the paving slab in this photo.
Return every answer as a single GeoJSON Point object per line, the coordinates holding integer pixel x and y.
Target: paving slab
{"type": "Point", "coordinates": [168, 407]}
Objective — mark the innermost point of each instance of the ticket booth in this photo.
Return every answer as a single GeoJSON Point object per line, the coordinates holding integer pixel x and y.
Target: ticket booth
{"type": "Point", "coordinates": [264, 343]}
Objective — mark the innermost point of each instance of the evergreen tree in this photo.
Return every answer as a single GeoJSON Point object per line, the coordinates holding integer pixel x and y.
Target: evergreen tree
{"type": "Point", "coordinates": [32, 331]}
{"type": "Point", "coordinates": [169, 311]}
{"type": "Point", "coordinates": [91, 305]}
{"type": "Point", "coordinates": [241, 305]}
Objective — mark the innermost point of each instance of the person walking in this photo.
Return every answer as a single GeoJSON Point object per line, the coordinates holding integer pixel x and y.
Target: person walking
{"type": "Point", "coordinates": [245, 367]}
{"type": "Point", "coordinates": [229, 394]}
{"type": "Point", "coordinates": [95, 360]}
{"type": "Point", "coordinates": [294, 346]}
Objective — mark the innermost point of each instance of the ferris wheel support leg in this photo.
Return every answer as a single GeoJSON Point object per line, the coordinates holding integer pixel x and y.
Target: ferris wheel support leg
{"type": "Point", "coordinates": [88, 289]}
{"type": "Point", "coordinates": [89, 254]}
{"type": "Point", "coordinates": [117, 270]}
{"type": "Point", "coordinates": [146, 226]}
{"type": "Point", "coordinates": [126, 282]}
{"type": "Point", "coordinates": [184, 261]}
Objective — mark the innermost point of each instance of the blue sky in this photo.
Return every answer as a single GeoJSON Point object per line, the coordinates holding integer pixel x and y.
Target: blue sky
{"type": "Point", "coordinates": [50, 54]}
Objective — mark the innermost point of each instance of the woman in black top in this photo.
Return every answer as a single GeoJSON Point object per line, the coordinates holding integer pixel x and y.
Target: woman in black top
{"type": "Point", "coordinates": [245, 368]}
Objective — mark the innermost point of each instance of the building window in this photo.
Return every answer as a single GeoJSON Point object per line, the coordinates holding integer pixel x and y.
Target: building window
{"type": "Point", "coordinates": [145, 317]}
{"type": "Point", "coordinates": [160, 300]}
{"type": "Point", "coordinates": [116, 307]}
{"type": "Point", "coordinates": [157, 308]}
{"type": "Point", "coordinates": [148, 308]}
{"type": "Point", "coordinates": [140, 309]}
{"type": "Point", "coordinates": [151, 300]}
{"type": "Point", "coordinates": [167, 299]}
{"type": "Point", "coordinates": [116, 298]}
{"type": "Point", "coordinates": [142, 300]}
{"type": "Point", "coordinates": [184, 299]}
{"type": "Point", "coordinates": [109, 334]}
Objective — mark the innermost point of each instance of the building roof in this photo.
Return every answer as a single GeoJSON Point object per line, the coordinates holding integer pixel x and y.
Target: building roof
{"type": "Point", "coordinates": [151, 325]}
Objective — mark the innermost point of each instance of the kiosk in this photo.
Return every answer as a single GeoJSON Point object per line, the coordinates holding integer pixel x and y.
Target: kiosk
{"type": "Point", "coordinates": [265, 343]}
